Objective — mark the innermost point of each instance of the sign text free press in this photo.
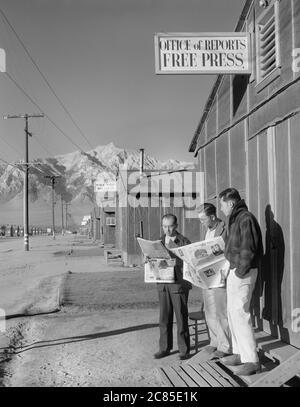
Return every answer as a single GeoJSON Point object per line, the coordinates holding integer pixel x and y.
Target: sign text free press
{"type": "Point", "coordinates": [204, 53]}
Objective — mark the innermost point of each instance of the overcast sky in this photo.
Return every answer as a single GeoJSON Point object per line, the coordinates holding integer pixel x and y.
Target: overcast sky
{"type": "Point", "coordinates": [98, 55]}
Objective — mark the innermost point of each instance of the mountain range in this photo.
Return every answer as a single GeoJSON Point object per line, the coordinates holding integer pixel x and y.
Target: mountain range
{"type": "Point", "coordinates": [76, 173]}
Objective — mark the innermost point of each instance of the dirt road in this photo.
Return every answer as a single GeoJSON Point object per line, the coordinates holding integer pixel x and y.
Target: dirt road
{"type": "Point", "coordinates": [105, 332]}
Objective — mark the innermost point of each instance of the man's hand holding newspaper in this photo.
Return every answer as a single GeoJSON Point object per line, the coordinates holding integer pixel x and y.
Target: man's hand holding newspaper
{"type": "Point", "coordinates": [159, 266]}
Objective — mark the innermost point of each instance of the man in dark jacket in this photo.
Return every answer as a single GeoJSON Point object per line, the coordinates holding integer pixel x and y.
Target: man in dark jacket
{"type": "Point", "coordinates": [173, 296]}
{"type": "Point", "coordinates": [243, 250]}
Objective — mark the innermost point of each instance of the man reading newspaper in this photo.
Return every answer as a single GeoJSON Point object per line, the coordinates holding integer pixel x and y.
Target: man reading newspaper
{"type": "Point", "coordinates": [173, 296]}
{"type": "Point", "coordinates": [215, 298]}
{"type": "Point", "coordinates": [205, 266]}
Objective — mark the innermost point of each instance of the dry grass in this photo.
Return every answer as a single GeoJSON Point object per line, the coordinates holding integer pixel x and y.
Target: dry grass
{"type": "Point", "coordinates": [113, 290]}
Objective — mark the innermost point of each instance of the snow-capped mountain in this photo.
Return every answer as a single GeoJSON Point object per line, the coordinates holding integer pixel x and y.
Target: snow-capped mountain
{"type": "Point", "coordinates": [77, 171]}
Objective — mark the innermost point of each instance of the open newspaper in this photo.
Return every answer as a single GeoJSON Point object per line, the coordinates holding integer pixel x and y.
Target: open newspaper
{"type": "Point", "coordinates": [159, 268]}
{"type": "Point", "coordinates": [205, 265]}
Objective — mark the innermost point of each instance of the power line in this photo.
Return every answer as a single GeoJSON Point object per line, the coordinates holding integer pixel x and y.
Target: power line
{"type": "Point", "coordinates": [9, 145]}
{"type": "Point", "coordinates": [12, 165]}
{"type": "Point", "coordinates": [4, 161]}
{"type": "Point", "coordinates": [44, 77]}
{"type": "Point", "coordinates": [53, 171]}
{"type": "Point", "coordinates": [41, 145]}
{"type": "Point", "coordinates": [41, 110]}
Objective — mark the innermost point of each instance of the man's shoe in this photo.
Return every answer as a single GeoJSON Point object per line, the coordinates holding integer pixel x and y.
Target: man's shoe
{"type": "Point", "coordinates": [247, 369]}
{"type": "Point", "coordinates": [162, 354]}
{"type": "Point", "coordinates": [184, 356]}
{"type": "Point", "coordinates": [232, 360]}
{"type": "Point", "coordinates": [219, 354]}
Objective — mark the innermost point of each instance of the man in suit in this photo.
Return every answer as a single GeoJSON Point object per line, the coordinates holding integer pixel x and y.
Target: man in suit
{"type": "Point", "coordinates": [173, 296]}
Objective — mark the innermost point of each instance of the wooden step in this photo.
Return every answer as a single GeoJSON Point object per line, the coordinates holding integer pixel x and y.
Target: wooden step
{"type": "Point", "coordinates": [279, 361]}
{"type": "Point", "coordinates": [275, 353]}
{"type": "Point", "coordinates": [266, 366]}
{"type": "Point", "coordinates": [274, 347]}
{"type": "Point", "coordinates": [281, 374]}
{"type": "Point", "coordinates": [206, 374]}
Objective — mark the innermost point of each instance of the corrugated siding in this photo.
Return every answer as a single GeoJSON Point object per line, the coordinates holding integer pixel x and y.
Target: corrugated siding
{"type": "Point", "coordinates": [210, 170]}
{"type": "Point", "coordinates": [212, 121]}
{"type": "Point", "coordinates": [296, 19]}
{"type": "Point", "coordinates": [281, 245]}
{"type": "Point", "coordinates": [192, 229]}
{"type": "Point", "coordinates": [253, 178]}
{"type": "Point", "coordinates": [277, 108]}
{"type": "Point", "coordinates": [222, 162]}
{"type": "Point", "coordinates": [238, 157]}
{"type": "Point", "coordinates": [253, 206]}
{"type": "Point", "coordinates": [224, 103]}
{"type": "Point", "coordinates": [295, 198]}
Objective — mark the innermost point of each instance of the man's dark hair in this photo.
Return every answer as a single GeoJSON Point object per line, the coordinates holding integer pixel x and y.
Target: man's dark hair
{"type": "Point", "coordinates": [208, 208]}
{"type": "Point", "coordinates": [230, 194]}
{"type": "Point", "coordinates": [170, 216]}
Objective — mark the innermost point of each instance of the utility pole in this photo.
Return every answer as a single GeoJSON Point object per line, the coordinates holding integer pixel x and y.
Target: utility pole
{"type": "Point", "coordinates": [67, 204]}
{"type": "Point", "coordinates": [53, 179]}
{"type": "Point", "coordinates": [62, 215]}
{"type": "Point", "coordinates": [26, 212]}
{"type": "Point", "coordinates": [142, 150]}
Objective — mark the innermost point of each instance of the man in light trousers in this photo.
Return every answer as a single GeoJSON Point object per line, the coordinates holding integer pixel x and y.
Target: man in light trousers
{"type": "Point", "coordinates": [243, 250]}
{"type": "Point", "coordinates": [215, 303]}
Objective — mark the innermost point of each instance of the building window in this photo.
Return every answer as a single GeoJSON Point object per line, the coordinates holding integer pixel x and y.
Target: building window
{"type": "Point", "coordinates": [111, 221]}
{"type": "Point", "coordinates": [267, 42]}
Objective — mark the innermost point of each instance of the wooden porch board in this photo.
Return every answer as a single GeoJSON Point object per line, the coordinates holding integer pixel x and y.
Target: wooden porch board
{"type": "Point", "coordinates": [171, 377]}
{"type": "Point", "coordinates": [191, 380]}
{"type": "Point", "coordinates": [212, 382]}
{"type": "Point", "coordinates": [223, 373]}
{"type": "Point", "coordinates": [197, 375]}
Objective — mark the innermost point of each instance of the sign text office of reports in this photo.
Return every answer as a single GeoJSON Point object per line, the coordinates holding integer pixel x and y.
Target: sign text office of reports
{"type": "Point", "coordinates": [203, 53]}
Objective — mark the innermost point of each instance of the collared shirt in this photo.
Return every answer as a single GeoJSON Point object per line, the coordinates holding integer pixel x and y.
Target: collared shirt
{"type": "Point", "coordinates": [210, 234]}
{"type": "Point", "coordinates": [169, 239]}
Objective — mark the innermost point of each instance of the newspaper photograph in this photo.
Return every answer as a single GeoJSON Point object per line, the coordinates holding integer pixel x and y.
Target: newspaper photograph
{"type": "Point", "coordinates": [159, 271]}
{"type": "Point", "coordinates": [205, 265]}
{"type": "Point", "coordinates": [212, 275]}
{"type": "Point", "coordinates": [159, 266]}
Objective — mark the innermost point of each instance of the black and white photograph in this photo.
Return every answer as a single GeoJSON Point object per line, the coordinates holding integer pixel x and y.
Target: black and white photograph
{"type": "Point", "coordinates": [128, 130]}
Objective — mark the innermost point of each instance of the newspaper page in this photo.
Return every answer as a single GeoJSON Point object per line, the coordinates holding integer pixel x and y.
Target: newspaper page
{"type": "Point", "coordinates": [160, 271]}
{"type": "Point", "coordinates": [205, 265]}
{"type": "Point", "coordinates": [153, 249]}
{"type": "Point", "coordinates": [160, 266]}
